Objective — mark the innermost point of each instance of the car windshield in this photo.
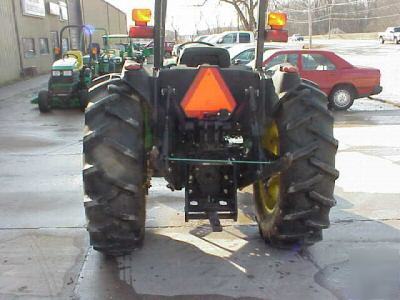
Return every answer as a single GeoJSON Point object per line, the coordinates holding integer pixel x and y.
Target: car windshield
{"type": "Point", "coordinates": [213, 39]}
{"type": "Point", "coordinates": [201, 38]}
{"type": "Point", "coordinates": [397, 29]}
{"type": "Point", "coordinates": [236, 50]}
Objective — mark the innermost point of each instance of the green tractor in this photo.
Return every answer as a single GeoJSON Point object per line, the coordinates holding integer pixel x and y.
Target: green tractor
{"type": "Point", "coordinates": [211, 129]}
{"type": "Point", "coordinates": [71, 75]}
{"type": "Point", "coordinates": [117, 48]}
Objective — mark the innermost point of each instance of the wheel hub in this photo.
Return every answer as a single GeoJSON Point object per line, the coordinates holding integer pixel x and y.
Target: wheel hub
{"type": "Point", "coordinates": [342, 98]}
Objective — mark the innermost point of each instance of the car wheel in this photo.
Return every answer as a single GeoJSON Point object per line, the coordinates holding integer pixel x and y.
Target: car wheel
{"type": "Point", "coordinates": [341, 98]}
{"type": "Point", "coordinates": [381, 40]}
{"type": "Point", "coordinates": [396, 41]}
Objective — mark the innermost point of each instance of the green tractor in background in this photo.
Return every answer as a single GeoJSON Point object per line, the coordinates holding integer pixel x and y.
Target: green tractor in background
{"type": "Point", "coordinates": [71, 75]}
{"type": "Point", "coordinates": [114, 53]}
{"type": "Point", "coordinates": [117, 49]}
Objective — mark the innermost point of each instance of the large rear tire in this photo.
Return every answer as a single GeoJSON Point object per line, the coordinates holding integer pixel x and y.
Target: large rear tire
{"type": "Point", "coordinates": [293, 207]}
{"type": "Point", "coordinates": [114, 174]}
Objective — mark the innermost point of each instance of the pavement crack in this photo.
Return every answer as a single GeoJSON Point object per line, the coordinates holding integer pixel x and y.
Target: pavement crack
{"type": "Point", "coordinates": [79, 277]}
{"type": "Point", "coordinates": [347, 221]}
{"type": "Point", "coordinates": [305, 253]}
{"type": "Point", "coordinates": [42, 227]}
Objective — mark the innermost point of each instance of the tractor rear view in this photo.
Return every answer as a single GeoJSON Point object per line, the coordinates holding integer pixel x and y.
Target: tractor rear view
{"type": "Point", "coordinates": [209, 128]}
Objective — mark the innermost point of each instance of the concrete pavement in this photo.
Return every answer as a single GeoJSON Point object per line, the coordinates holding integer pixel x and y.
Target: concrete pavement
{"type": "Point", "coordinates": [44, 250]}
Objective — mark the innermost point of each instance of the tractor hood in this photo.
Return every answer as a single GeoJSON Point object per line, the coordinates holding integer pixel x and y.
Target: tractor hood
{"type": "Point", "coordinates": [65, 64]}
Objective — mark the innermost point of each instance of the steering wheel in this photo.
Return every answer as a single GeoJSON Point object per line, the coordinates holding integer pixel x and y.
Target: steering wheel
{"type": "Point", "coordinates": [71, 54]}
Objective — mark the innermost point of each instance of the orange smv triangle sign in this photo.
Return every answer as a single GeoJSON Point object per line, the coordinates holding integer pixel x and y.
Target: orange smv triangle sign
{"type": "Point", "coordinates": [208, 94]}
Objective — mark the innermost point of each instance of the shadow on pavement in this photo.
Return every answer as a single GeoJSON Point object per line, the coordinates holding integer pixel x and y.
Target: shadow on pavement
{"type": "Point", "coordinates": [358, 259]}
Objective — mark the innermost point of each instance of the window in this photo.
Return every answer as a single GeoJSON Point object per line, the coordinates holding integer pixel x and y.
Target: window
{"type": "Point", "coordinates": [244, 37]}
{"type": "Point", "coordinates": [316, 62]}
{"type": "Point", "coordinates": [28, 45]}
{"type": "Point", "coordinates": [54, 39]}
{"type": "Point", "coordinates": [397, 29]}
{"type": "Point", "coordinates": [281, 59]}
{"type": "Point", "coordinates": [44, 46]}
{"type": "Point", "coordinates": [229, 38]}
{"type": "Point", "coordinates": [63, 11]}
{"type": "Point", "coordinates": [247, 55]}
{"type": "Point", "coordinates": [65, 44]}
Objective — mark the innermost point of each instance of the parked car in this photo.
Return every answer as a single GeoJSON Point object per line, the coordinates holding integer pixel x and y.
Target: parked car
{"type": "Point", "coordinates": [228, 39]}
{"type": "Point", "coordinates": [201, 38]}
{"type": "Point", "coordinates": [390, 34]}
{"type": "Point", "coordinates": [244, 53]}
{"type": "Point", "coordinates": [296, 37]}
{"type": "Point", "coordinates": [339, 79]}
{"type": "Point", "coordinates": [168, 48]}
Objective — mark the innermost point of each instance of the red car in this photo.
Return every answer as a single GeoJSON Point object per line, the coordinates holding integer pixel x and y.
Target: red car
{"type": "Point", "coordinates": [339, 79]}
{"type": "Point", "coordinates": [168, 47]}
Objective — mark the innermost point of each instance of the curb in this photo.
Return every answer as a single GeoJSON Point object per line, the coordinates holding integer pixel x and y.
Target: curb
{"type": "Point", "coordinates": [397, 104]}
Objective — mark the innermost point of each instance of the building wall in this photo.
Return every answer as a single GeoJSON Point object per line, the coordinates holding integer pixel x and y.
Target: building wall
{"type": "Point", "coordinates": [74, 18]}
{"type": "Point", "coordinates": [35, 28]}
{"type": "Point", "coordinates": [9, 56]}
{"type": "Point", "coordinates": [101, 14]}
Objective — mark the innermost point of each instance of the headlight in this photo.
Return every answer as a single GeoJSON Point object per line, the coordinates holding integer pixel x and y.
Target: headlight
{"type": "Point", "coordinates": [56, 73]}
{"type": "Point", "coordinates": [67, 73]}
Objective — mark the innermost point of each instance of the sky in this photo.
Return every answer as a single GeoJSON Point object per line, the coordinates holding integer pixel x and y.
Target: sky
{"type": "Point", "coordinates": [184, 16]}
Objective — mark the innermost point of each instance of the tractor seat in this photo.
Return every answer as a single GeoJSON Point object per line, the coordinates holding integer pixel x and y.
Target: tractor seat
{"type": "Point", "coordinates": [78, 54]}
{"type": "Point", "coordinates": [196, 56]}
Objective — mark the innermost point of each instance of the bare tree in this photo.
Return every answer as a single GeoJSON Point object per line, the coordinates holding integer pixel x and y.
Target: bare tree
{"type": "Point", "coordinates": [246, 10]}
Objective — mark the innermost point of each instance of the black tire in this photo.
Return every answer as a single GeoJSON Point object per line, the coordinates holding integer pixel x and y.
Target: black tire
{"type": "Point", "coordinates": [342, 97]}
{"type": "Point", "coordinates": [83, 99]}
{"type": "Point", "coordinates": [305, 127]}
{"type": "Point", "coordinates": [382, 40]}
{"type": "Point", "coordinates": [114, 174]}
{"type": "Point", "coordinates": [395, 40]}
{"type": "Point", "coordinates": [44, 102]}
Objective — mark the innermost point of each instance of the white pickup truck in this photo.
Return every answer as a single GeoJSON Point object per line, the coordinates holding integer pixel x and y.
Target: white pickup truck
{"type": "Point", "coordinates": [391, 34]}
{"type": "Point", "coordinates": [228, 39]}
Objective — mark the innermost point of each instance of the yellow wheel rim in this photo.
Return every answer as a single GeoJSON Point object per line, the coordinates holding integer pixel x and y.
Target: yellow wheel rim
{"type": "Point", "coordinates": [269, 190]}
{"type": "Point", "coordinates": [270, 139]}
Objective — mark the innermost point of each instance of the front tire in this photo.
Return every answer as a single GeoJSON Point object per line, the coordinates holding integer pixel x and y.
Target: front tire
{"type": "Point", "coordinates": [292, 207]}
{"type": "Point", "coordinates": [114, 174]}
{"type": "Point", "coordinates": [44, 102]}
{"type": "Point", "coordinates": [342, 97]}
{"type": "Point", "coordinates": [83, 99]}
{"type": "Point", "coordinates": [382, 40]}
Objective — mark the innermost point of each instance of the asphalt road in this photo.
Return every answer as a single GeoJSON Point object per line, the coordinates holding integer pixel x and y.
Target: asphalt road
{"type": "Point", "coordinates": [44, 251]}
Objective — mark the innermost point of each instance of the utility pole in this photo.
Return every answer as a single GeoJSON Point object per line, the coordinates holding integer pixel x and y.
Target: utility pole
{"type": "Point", "coordinates": [309, 24]}
{"type": "Point", "coordinates": [330, 21]}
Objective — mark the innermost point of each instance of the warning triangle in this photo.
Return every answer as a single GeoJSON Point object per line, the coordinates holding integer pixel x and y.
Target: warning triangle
{"type": "Point", "coordinates": [207, 94]}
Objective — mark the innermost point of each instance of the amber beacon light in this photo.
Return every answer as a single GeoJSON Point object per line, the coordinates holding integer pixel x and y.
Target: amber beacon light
{"type": "Point", "coordinates": [276, 33]}
{"type": "Point", "coordinates": [141, 17]}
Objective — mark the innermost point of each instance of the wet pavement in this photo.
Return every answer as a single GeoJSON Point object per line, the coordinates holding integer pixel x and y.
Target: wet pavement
{"type": "Point", "coordinates": [45, 253]}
